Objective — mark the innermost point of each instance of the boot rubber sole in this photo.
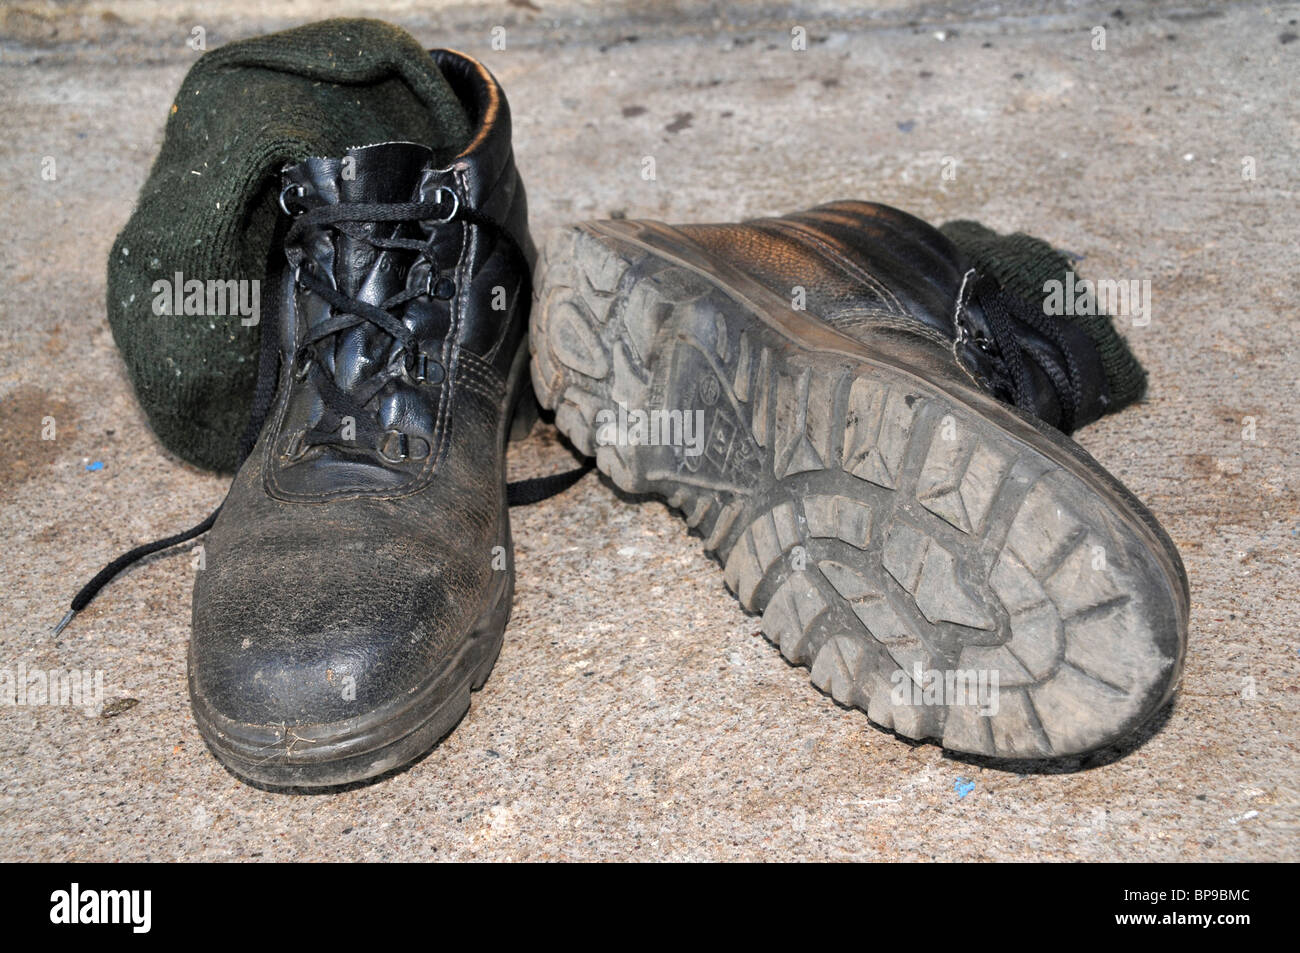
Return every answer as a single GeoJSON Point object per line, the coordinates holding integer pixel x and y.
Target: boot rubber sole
{"type": "Point", "coordinates": [948, 565]}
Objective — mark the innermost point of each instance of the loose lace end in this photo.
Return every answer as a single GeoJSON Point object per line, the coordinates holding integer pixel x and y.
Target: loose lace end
{"type": "Point", "coordinates": [63, 623]}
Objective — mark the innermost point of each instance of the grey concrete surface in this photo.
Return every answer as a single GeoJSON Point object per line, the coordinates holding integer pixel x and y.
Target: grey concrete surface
{"type": "Point", "coordinates": [635, 712]}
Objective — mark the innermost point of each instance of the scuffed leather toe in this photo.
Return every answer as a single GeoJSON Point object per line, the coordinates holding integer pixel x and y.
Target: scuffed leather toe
{"type": "Point", "coordinates": [296, 633]}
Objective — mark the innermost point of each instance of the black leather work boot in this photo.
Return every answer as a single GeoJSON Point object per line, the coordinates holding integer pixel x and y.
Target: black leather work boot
{"type": "Point", "coordinates": [864, 429]}
{"type": "Point", "coordinates": [359, 575]}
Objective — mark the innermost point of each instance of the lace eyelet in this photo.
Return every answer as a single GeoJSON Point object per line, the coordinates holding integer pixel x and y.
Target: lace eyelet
{"type": "Point", "coordinates": [297, 274]}
{"type": "Point", "coordinates": [417, 368]}
{"type": "Point", "coordinates": [395, 446]}
{"type": "Point", "coordinates": [444, 289]}
{"type": "Point", "coordinates": [455, 204]}
{"type": "Point", "coordinates": [302, 364]}
{"type": "Point", "coordinates": [298, 190]}
{"type": "Point", "coordinates": [294, 447]}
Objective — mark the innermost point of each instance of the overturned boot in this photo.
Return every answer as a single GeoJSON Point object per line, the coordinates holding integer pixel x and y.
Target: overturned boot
{"type": "Point", "coordinates": [359, 575]}
{"type": "Point", "coordinates": [880, 464]}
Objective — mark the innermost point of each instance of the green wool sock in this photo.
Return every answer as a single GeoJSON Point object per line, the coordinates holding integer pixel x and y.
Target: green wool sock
{"type": "Point", "coordinates": [209, 207]}
{"type": "Point", "coordinates": [1022, 264]}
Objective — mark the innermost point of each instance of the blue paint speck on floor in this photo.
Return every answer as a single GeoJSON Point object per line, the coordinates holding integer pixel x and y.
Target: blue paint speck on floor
{"type": "Point", "coordinates": [97, 465]}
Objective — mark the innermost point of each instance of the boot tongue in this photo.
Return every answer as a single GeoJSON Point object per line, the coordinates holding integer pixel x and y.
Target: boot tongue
{"type": "Point", "coordinates": [380, 174]}
{"type": "Point", "coordinates": [386, 173]}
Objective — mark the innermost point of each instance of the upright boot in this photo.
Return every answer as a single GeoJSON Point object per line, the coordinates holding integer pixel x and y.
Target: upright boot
{"type": "Point", "coordinates": [869, 432]}
{"type": "Point", "coordinates": [359, 575]}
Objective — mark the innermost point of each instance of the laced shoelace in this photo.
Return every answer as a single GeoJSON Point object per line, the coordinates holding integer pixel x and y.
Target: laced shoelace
{"type": "Point", "coordinates": [348, 312]}
{"type": "Point", "coordinates": [1001, 308]}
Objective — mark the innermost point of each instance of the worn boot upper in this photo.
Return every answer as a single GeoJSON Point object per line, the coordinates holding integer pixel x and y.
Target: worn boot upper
{"type": "Point", "coordinates": [868, 268]}
{"type": "Point", "coordinates": [357, 541]}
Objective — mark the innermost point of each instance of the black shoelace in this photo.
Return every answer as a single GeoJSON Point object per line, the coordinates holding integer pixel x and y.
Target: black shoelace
{"type": "Point", "coordinates": [1000, 308]}
{"type": "Point", "coordinates": [348, 313]}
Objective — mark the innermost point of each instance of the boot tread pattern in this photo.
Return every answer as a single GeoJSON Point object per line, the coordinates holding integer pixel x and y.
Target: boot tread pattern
{"type": "Point", "coordinates": [883, 530]}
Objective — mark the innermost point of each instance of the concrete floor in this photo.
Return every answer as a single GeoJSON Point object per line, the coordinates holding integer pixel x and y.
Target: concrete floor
{"type": "Point", "coordinates": [635, 711]}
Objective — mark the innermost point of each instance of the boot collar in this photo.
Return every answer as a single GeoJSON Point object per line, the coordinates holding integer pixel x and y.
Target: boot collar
{"type": "Point", "coordinates": [481, 163]}
{"type": "Point", "coordinates": [476, 170]}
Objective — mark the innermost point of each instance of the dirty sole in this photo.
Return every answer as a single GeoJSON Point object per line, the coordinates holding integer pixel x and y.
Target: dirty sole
{"type": "Point", "coordinates": [940, 561]}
